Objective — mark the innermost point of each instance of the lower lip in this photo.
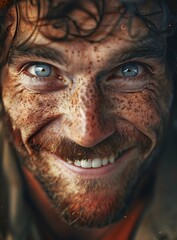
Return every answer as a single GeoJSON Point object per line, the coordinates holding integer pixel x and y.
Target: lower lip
{"type": "Point", "coordinates": [101, 171]}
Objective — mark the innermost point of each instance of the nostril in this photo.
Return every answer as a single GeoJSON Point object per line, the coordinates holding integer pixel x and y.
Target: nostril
{"type": "Point", "coordinates": [88, 117]}
{"type": "Point", "coordinates": [91, 136]}
{"type": "Point", "coordinates": [71, 151]}
{"type": "Point", "coordinates": [88, 129]}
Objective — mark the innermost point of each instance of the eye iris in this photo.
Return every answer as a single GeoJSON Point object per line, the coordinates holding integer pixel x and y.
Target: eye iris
{"type": "Point", "coordinates": [130, 70]}
{"type": "Point", "coordinates": [42, 70]}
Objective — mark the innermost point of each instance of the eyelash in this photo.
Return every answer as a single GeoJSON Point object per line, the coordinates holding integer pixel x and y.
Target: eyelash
{"type": "Point", "coordinates": [114, 81]}
{"type": "Point", "coordinates": [26, 67]}
{"type": "Point", "coordinates": [42, 84]}
{"type": "Point", "coordinates": [144, 68]}
{"type": "Point", "coordinates": [129, 84]}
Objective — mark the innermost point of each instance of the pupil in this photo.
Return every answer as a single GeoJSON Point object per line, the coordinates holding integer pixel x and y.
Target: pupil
{"type": "Point", "coordinates": [43, 70]}
{"type": "Point", "coordinates": [130, 70]}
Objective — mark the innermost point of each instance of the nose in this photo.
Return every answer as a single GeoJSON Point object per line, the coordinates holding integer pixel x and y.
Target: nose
{"type": "Point", "coordinates": [89, 121]}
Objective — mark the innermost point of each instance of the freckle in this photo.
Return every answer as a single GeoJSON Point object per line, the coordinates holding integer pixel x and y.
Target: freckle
{"type": "Point", "coordinates": [81, 91]}
{"type": "Point", "coordinates": [90, 90]}
{"type": "Point", "coordinates": [40, 104]}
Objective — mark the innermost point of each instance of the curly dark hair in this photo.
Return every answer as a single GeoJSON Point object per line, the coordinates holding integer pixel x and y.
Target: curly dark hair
{"type": "Point", "coordinates": [59, 15]}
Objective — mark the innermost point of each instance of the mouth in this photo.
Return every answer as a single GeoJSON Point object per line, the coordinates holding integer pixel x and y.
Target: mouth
{"type": "Point", "coordinates": [98, 167]}
{"type": "Point", "coordinates": [95, 162]}
{"type": "Point", "coordinates": [110, 156]}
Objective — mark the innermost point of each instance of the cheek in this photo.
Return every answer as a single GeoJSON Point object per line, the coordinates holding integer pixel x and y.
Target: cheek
{"type": "Point", "coordinates": [144, 110]}
{"type": "Point", "coordinates": [28, 111]}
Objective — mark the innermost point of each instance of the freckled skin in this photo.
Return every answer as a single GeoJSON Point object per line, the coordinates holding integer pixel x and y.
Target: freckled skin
{"type": "Point", "coordinates": [87, 112]}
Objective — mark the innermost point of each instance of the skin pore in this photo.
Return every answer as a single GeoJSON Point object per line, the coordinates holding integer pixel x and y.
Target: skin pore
{"type": "Point", "coordinates": [75, 100]}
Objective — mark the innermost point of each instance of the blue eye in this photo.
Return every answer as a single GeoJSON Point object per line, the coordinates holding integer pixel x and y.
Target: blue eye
{"type": "Point", "coordinates": [130, 70]}
{"type": "Point", "coordinates": [40, 70]}
{"type": "Point", "coordinates": [129, 77]}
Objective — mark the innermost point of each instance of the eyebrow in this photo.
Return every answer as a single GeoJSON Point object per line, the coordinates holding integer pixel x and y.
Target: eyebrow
{"type": "Point", "coordinates": [153, 47]}
{"type": "Point", "coordinates": [38, 51]}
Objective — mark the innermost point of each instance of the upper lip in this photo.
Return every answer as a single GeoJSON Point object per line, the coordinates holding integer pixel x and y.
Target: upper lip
{"type": "Point", "coordinates": [113, 156]}
{"type": "Point", "coordinates": [81, 153]}
{"type": "Point", "coordinates": [67, 149]}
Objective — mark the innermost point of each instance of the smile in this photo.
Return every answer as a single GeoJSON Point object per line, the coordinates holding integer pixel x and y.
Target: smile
{"type": "Point", "coordinates": [98, 167]}
{"type": "Point", "coordinates": [96, 162]}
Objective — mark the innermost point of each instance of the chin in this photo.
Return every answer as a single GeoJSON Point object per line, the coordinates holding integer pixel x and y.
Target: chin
{"type": "Point", "coordinates": [90, 204]}
{"type": "Point", "coordinates": [90, 211]}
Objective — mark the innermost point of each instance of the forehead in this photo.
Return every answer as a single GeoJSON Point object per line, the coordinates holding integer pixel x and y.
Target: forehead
{"type": "Point", "coordinates": [91, 20]}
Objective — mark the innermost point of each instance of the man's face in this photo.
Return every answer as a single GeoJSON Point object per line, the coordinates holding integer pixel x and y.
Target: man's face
{"type": "Point", "coordinates": [87, 116]}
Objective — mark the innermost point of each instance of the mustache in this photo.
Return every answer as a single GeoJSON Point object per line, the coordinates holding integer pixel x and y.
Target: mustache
{"type": "Point", "coordinates": [70, 150]}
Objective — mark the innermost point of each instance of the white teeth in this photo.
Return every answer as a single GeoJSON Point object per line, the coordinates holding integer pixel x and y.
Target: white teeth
{"type": "Point", "coordinates": [77, 163]}
{"type": "Point", "coordinates": [112, 159]}
{"type": "Point", "coordinates": [96, 162]}
{"type": "Point", "coordinates": [105, 161]}
{"type": "Point", "coordinates": [69, 161]}
{"type": "Point", "coordinates": [86, 163]}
